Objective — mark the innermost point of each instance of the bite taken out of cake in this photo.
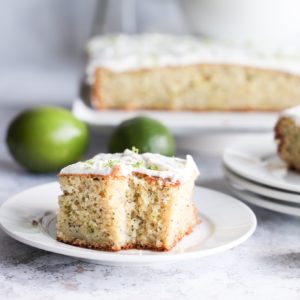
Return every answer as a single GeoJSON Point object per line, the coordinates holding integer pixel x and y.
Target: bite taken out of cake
{"type": "Point", "coordinates": [287, 135]}
{"type": "Point", "coordinates": [127, 200]}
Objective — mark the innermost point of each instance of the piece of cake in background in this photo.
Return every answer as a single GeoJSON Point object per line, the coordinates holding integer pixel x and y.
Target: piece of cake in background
{"type": "Point", "coordinates": [127, 200]}
{"type": "Point", "coordinates": [157, 71]}
{"type": "Point", "coordinates": [287, 134]}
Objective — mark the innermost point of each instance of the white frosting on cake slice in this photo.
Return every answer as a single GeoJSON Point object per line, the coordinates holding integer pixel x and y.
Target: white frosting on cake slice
{"type": "Point", "coordinates": [292, 113]}
{"type": "Point", "coordinates": [151, 164]}
{"type": "Point", "coordinates": [121, 53]}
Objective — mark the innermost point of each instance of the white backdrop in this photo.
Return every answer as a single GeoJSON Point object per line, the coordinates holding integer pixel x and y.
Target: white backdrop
{"type": "Point", "coordinates": [42, 41]}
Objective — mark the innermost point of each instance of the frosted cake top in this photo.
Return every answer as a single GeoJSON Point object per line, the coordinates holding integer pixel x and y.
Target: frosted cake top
{"type": "Point", "coordinates": [292, 113]}
{"type": "Point", "coordinates": [151, 164]}
{"type": "Point", "coordinates": [121, 53]}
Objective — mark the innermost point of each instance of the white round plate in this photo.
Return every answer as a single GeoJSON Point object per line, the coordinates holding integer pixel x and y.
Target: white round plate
{"type": "Point", "coordinates": [265, 202]}
{"type": "Point", "coordinates": [30, 216]}
{"type": "Point", "coordinates": [179, 122]}
{"type": "Point", "coordinates": [261, 189]}
{"type": "Point", "coordinates": [256, 159]}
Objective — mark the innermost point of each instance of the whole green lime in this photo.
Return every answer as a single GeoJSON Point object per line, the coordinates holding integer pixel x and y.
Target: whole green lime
{"type": "Point", "coordinates": [146, 134]}
{"type": "Point", "coordinates": [45, 139]}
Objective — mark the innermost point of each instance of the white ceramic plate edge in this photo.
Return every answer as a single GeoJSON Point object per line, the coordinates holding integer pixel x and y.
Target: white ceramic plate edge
{"type": "Point", "coordinates": [256, 200]}
{"type": "Point", "coordinates": [268, 149]}
{"type": "Point", "coordinates": [113, 257]}
{"type": "Point", "coordinates": [180, 122]}
{"type": "Point", "coordinates": [132, 259]}
{"type": "Point", "coordinates": [260, 189]}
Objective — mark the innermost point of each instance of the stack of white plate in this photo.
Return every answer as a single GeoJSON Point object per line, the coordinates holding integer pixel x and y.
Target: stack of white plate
{"type": "Point", "coordinates": [256, 175]}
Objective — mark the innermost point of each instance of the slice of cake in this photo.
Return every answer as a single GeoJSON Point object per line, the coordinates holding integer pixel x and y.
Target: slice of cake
{"type": "Point", "coordinates": [127, 200]}
{"type": "Point", "coordinates": [156, 71]}
{"type": "Point", "coordinates": [287, 134]}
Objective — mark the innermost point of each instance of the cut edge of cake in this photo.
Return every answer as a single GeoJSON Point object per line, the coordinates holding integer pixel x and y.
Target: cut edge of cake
{"type": "Point", "coordinates": [113, 223]}
{"type": "Point", "coordinates": [287, 135]}
{"type": "Point", "coordinates": [198, 87]}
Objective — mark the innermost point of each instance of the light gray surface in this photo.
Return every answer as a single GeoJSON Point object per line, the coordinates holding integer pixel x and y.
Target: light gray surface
{"type": "Point", "coordinates": [266, 267]}
{"type": "Point", "coordinates": [41, 49]}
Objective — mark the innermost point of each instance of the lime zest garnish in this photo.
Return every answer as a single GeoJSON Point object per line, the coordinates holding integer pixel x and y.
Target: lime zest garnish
{"type": "Point", "coordinates": [89, 162]}
{"type": "Point", "coordinates": [110, 163]}
{"type": "Point", "coordinates": [138, 164]}
{"type": "Point", "coordinates": [153, 167]}
{"type": "Point", "coordinates": [135, 150]}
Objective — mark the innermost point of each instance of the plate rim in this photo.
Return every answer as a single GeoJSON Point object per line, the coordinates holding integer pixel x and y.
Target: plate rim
{"type": "Point", "coordinates": [251, 186]}
{"type": "Point", "coordinates": [292, 188]}
{"type": "Point", "coordinates": [232, 121]}
{"type": "Point", "coordinates": [113, 257]}
{"type": "Point", "coordinates": [258, 201]}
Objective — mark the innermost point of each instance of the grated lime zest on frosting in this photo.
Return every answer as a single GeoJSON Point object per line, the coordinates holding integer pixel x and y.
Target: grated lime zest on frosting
{"type": "Point", "coordinates": [152, 164]}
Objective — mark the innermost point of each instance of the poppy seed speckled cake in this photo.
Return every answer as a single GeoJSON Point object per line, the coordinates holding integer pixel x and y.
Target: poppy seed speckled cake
{"type": "Point", "coordinates": [287, 134]}
{"type": "Point", "coordinates": [127, 200]}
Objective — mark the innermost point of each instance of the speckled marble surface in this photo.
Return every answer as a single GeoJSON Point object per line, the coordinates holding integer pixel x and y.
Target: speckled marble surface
{"type": "Point", "coordinates": [267, 266]}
